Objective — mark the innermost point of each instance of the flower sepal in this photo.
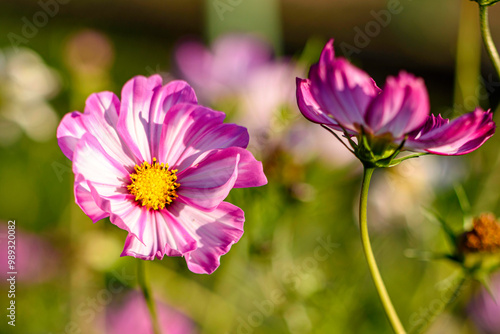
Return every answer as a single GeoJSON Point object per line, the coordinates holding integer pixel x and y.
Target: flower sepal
{"type": "Point", "coordinates": [378, 152]}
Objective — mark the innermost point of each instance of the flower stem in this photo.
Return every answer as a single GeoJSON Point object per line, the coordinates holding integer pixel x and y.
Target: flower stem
{"type": "Point", "coordinates": [487, 39]}
{"type": "Point", "coordinates": [365, 239]}
{"type": "Point", "coordinates": [146, 291]}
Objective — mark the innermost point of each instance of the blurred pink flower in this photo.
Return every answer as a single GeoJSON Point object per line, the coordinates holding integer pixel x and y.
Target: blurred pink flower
{"type": "Point", "coordinates": [485, 311]}
{"type": "Point", "coordinates": [160, 165]}
{"type": "Point", "coordinates": [225, 69]}
{"type": "Point", "coordinates": [36, 260]}
{"type": "Point", "coordinates": [242, 69]}
{"type": "Point", "coordinates": [131, 316]}
{"type": "Point", "coordinates": [343, 97]}
{"type": "Point", "coordinates": [266, 102]}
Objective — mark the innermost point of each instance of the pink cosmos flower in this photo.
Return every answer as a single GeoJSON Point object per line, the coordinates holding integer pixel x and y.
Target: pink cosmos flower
{"type": "Point", "coordinates": [342, 97]}
{"type": "Point", "coordinates": [159, 166]}
{"type": "Point", "coordinates": [131, 316]}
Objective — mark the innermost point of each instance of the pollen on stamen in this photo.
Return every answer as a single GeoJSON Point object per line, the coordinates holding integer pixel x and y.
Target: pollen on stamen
{"type": "Point", "coordinates": [153, 185]}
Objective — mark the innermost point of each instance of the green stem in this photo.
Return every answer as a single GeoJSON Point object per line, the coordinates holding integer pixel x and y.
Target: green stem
{"type": "Point", "coordinates": [487, 39]}
{"type": "Point", "coordinates": [372, 264]}
{"type": "Point", "coordinates": [146, 291]}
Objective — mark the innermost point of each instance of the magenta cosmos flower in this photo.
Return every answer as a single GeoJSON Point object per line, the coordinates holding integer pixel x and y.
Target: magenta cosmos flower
{"type": "Point", "coordinates": [384, 122]}
{"type": "Point", "coordinates": [159, 166]}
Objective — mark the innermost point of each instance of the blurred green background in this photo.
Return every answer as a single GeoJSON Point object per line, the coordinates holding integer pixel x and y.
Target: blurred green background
{"type": "Point", "coordinates": [299, 267]}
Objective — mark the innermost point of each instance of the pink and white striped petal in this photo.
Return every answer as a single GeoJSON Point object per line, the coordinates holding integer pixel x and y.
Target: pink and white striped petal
{"type": "Point", "coordinates": [86, 202]}
{"type": "Point", "coordinates": [206, 184]}
{"type": "Point", "coordinates": [163, 235]}
{"type": "Point", "coordinates": [99, 120]}
{"type": "Point", "coordinates": [69, 132]}
{"type": "Point", "coordinates": [92, 163]}
{"type": "Point", "coordinates": [183, 124]}
{"type": "Point", "coordinates": [214, 231]}
{"type": "Point", "coordinates": [163, 99]}
{"type": "Point", "coordinates": [133, 120]}
{"type": "Point", "coordinates": [219, 137]}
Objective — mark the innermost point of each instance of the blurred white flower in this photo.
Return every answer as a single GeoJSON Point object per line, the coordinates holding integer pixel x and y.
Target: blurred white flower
{"type": "Point", "coordinates": [26, 83]}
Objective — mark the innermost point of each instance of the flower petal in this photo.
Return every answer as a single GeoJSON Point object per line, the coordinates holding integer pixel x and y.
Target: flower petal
{"type": "Point", "coordinates": [163, 234]}
{"type": "Point", "coordinates": [220, 136]}
{"type": "Point", "coordinates": [308, 105]}
{"type": "Point", "coordinates": [402, 107]}
{"type": "Point", "coordinates": [99, 119]}
{"type": "Point", "coordinates": [92, 163]}
{"type": "Point", "coordinates": [184, 124]}
{"type": "Point", "coordinates": [342, 90]}
{"type": "Point", "coordinates": [106, 180]}
{"type": "Point", "coordinates": [86, 202]}
{"type": "Point", "coordinates": [206, 184]}
{"type": "Point", "coordinates": [123, 211]}
{"type": "Point", "coordinates": [250, 171]}
{"type": "Point", "coordinates": [214, 231]}
{"type": "Point", "coordinates": [69, 131]}
{"type": "Point", "coordinates": [460, 136]}
{"type": "Point", "coordinates": [134, 115]}
{"type": "Point", "coordinates": [327, 54]}
{"type": "Point", "coordinates": [163, 99]}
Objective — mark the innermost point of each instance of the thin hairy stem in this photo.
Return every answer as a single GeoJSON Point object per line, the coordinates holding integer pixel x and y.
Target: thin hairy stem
{"type": "Point", "coordinates": [372, 264]}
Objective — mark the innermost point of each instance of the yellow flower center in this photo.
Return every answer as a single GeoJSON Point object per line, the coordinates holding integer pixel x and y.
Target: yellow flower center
{"type": "Point", "coordinates": [153, 185]}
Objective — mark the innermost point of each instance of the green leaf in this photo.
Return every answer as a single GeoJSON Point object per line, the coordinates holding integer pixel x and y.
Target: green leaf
{"type": "Point", "coordinates": [432, 215]}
